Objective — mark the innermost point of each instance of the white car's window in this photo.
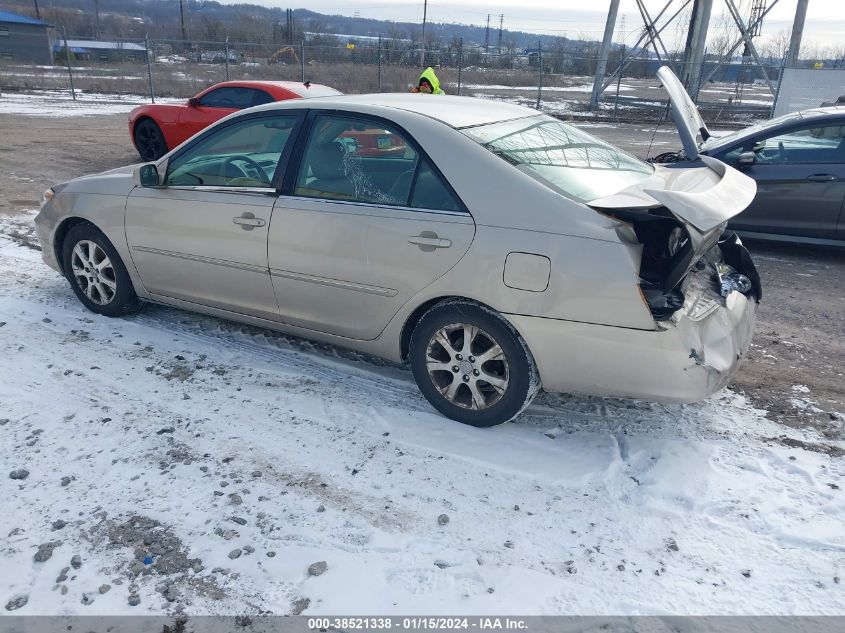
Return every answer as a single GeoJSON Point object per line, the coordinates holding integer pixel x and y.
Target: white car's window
{"type": "Point", "coordinates": [575, 163]}
{"type": "Point", "coordinates": [242, 154]}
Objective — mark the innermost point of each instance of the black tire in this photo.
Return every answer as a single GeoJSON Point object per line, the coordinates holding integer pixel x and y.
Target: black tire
{"type": "Point", "coordinates": [149, 140]}
{"type": "Point", "coordinates": [107, 290]}
{"type": "Point", "coordinates": [516, 373]}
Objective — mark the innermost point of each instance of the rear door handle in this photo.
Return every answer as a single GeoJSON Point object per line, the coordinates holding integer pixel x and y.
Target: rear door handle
{"type": "Point", "coordinates": [429, 241]}
{"type": "Point", "coordinates": [248, 221]}
{"type": "Point", "coordinates": [822, 178]}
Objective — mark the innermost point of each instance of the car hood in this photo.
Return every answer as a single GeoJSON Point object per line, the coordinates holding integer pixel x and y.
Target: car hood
{"type": "Point", "coordinates": [691, 127]}
{"type": "Point", "coordinates": [703, 195]}
{"type": "Point", "coordinates": [114, 181]}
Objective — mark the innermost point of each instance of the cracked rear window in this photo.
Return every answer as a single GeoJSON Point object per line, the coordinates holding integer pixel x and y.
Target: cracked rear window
{"type": "Point", "coordinates": [577, 164]}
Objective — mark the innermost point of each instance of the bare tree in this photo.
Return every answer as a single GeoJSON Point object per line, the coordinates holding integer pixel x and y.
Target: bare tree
{"type": "Point", "coordinates": [775, 47]}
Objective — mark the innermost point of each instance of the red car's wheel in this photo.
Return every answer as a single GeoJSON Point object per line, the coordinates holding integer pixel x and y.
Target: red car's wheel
{"type": "Point", "coordinates": [149, 140]}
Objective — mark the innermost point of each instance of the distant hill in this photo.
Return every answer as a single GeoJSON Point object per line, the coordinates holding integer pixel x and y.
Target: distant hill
{"type": "Point", "coordinates": [209, 20]}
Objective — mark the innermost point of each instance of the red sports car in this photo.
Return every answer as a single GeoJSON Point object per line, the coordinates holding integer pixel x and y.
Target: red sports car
{"type": "Point", "coordinates": [157, 128]}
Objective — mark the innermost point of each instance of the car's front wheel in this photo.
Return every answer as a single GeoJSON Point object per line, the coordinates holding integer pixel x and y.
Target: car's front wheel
{"type": "Point", "coordinates": [149, 140]}
{"type": "Point", "coordinates": [96, 272]}
{"type": "Point", "coordinates": [471, 365]}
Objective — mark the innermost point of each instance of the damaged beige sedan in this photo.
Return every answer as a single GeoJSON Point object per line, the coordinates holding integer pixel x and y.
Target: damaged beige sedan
{"type": "Point", "coordinates": [494, 248]}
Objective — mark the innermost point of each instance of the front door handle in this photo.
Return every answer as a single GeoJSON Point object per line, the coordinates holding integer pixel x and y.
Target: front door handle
{"type": "Point", "coordinates": [248, 221]}
{"type": "Point", "coordinates": [429, 241]}
{"type": "Point", "coordinates": [822, 178]}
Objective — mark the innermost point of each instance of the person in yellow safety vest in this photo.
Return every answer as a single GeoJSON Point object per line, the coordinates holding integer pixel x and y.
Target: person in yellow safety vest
{"type": "Point", "coordinates": [429, 83]}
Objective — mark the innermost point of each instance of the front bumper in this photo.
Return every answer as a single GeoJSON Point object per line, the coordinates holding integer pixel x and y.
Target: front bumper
{"type": "Point", "coordinates": [45, 225]}
{"type": "Point", "coordinates": [687, 359]}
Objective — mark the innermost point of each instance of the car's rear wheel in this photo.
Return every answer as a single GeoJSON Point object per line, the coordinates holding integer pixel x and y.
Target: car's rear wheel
{"type": "Point", "coordinates": [149, 140]}
{"type": "Point", "coordinates": [471, 365]}
{"type": "Point", "coordinates": [96, 272]}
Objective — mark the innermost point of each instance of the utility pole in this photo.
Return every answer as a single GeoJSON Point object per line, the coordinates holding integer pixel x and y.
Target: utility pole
{"type": "Point", "coordinates": [499, 42]}
{"type": "Point", "coordinates": [487, 36]}
{"type": "Point", "coordinates": [37, 11]}
{"type": "Point", "coordinates": [290, 26]}
{"type": "Point", "coordinates": [422, 47]}
{"type": "Point", "coordinates": [96, 19]}
{"type": "Point", "coordinates": [182, 15]}
{"type": "Point", "coordinates": [797, 33]}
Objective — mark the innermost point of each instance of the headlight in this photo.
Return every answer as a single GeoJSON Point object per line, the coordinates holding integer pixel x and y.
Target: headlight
{"type": "Point", "coordinates": [47, 196]}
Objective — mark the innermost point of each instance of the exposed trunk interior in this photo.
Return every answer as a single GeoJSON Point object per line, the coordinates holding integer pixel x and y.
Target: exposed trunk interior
{"type": "Point", "coordinates": [669, 258]}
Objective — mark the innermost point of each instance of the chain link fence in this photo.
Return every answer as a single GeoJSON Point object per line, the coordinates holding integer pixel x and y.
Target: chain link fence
{"type": "Point", "coordinates": [550, 78]}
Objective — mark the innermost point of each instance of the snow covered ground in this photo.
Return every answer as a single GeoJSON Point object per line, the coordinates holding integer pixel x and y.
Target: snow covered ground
{"type": "Point", "coordinates": [194, 464]}
{"type": "Point", "coordinates": [60, 103]}
{"type": "Point", "coordinates": [588, 88]}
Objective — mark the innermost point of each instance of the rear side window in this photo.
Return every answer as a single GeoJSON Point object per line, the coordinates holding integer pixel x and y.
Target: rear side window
{"type": "Point", "coordinates": [430, 192]}
{"type": "Point", "coordinates": [361, 160]}
{"type": "Point", "coordinates": [356, 160]}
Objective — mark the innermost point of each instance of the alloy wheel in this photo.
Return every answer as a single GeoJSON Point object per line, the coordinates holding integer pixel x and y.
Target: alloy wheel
{"type": "Point", "coordinates": [93, 272]}
{"type": "Point", "coordinates": [467, 366]}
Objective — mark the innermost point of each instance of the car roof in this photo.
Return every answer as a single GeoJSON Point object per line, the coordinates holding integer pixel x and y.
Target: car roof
{"type": "Point", "coordinates": [458, 112]}
{"type": "Point", "coordinates": [830, 110]}
{"type": "Point", "coordinates": [769, 126]}
{"type": "Point", "coordinates": [310, 90]}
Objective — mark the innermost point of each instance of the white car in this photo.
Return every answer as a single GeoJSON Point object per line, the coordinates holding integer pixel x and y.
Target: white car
{"type": "Point", "coordinates": [502, 249]}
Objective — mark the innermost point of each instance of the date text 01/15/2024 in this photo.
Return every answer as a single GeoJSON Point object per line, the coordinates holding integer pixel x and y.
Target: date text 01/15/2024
{"type": "Point", "coordinates": [418, 623]}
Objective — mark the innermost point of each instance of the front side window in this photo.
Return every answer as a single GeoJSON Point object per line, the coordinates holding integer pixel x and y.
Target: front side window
{"type": "Point", "coordinates": [229, 97]}
{"type": "Point", "coordinates": [814, 145]}
{"type": "Point", "coordinates": [562, 157]}
{"type": "Point", "coordinates": [242, 154]}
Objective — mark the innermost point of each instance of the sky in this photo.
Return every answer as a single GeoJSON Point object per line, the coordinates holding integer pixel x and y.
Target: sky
{"type": "Point", "coordinates": [825, 23]}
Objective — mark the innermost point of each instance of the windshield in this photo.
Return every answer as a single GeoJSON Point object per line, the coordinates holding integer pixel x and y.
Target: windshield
{"type": "Point", "coordinates": [562, 157]}
{"type": "Point", "coordinates": [728, 139]}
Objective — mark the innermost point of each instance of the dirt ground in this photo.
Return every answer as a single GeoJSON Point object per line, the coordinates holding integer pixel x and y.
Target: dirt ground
{"type": "Point", "coordinates": [794, 370]}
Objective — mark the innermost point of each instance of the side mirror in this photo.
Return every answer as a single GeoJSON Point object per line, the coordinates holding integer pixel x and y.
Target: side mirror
{"type": "Point", "coordinates": [148, 175]}
{"type": "Point", "coordinates": [193, 102]}
{"type": "Point", "coordinates": [746, 158]}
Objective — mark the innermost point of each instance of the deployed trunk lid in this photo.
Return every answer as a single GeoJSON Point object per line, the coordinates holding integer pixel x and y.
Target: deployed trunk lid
{"type": "Point", "coordinates": [691, 126]}
{"type": "Point", "coordinates": [702, 196]}
{"type": "Point", "coordinates": [675, 218]}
